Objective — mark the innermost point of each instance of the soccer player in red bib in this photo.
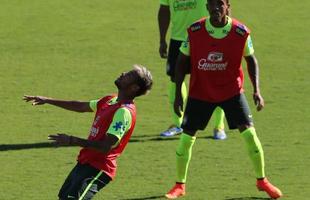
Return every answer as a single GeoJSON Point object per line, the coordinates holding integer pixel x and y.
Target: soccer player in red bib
{"type": "Point", "coordinates": [212, 56]}
{"type": "Point", "coordinates": [113, 125]}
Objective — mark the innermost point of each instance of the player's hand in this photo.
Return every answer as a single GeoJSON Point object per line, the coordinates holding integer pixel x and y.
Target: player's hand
{"type": "Point", "coordinates": [259, 101]}
{"type": "Point", "coordinates": [178, 105]}
{"type": "Point", "coordinates": [36, 100]}
{"type": "Point", "coordinates": [61, 139]}
{"type": "Point", "coordinates": [163, 49]}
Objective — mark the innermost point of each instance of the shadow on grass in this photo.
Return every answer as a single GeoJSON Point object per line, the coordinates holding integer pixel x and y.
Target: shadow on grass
{"type": "Point", "coordinates": [162, 196]}
{"type": "Point", "coordinates": [146, 198]}
{"type": "Point", "coordinates": [249, 198]}
{"type": "Point", "coordinates": [148, 138]}
{"type": "Point", "coordinates": [41, 145]}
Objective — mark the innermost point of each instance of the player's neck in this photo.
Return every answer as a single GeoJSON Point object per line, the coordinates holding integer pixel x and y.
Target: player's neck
{"type": "Point", "coordinates": [218, 23]}
{"type": "Point", "coordinates": [124, 97]}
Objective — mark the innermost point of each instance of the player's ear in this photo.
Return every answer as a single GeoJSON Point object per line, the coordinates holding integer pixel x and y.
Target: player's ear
{"type": "Point", "coordinates": [228, 5]}
{"type": "Point", "coordinates": [228, 11]}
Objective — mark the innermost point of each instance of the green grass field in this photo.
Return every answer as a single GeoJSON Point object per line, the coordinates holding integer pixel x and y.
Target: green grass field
{"type": "Point", "coordinates": [75, 49]}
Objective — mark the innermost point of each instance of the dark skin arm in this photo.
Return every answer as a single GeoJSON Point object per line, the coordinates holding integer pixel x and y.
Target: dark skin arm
{"type": "Point", "coordinates": [183, 68]}
{"type": "Point", "coordinates": [68, 140]}
{"type": "Point", "coordinates": [163, 23]}
{"type": "Point", "coordinates": [77, 106]}
{"type": "Point", "coordinates": [253, 71]}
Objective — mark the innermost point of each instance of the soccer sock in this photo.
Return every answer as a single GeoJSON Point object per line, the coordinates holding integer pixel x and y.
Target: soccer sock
{"type": "Point", "coordinates": [255, 151]}
{"type": "Point", "coordinates": [183, 155]}
{"type": "Point", "coordinates": [218, 118]}
{"type": "Point", "coordinates": [171, 95]}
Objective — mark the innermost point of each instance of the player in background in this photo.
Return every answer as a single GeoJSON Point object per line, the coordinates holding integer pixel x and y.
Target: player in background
{"type": "Point", "coordinates": [113, 125]}
{"type": "Point", "coordinates": [212, 56]}
{"type": "Point", "coordinates": [181, 14]}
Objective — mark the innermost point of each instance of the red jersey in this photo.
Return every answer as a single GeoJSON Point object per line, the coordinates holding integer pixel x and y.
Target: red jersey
{"type": "Point", "coordinates": [103, 119]}
{"type": "Point", "coordinates": [216, 72]}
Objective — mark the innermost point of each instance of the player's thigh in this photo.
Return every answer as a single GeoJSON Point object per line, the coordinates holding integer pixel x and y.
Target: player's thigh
{"type": "Point", "coordinates": [197, 114]}
{"type": "Point", "coordinates": [173, 53]}
{"type": "Point", "coordinates": [72, 178]}
{"type": "Point", "coordinates": [93, 185]}
{"type": "Point", "coordinates": [237, 111]}
{"type": "Point", "coordinates": [83, 174]}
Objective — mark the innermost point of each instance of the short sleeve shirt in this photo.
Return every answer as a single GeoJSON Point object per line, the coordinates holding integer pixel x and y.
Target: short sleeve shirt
{"type": "Point", "coordinates": [121, 120]}
{"type": "Point", "coordinates": [220, 33]}
{"type": "Point", "coordinates": [182, 14]}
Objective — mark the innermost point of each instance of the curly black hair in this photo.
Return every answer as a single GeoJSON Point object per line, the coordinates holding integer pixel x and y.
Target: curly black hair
{"type": "Point", "coordinates": [144, 81]}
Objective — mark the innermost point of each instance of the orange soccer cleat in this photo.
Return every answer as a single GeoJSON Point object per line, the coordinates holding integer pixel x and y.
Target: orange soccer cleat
{"type": "Point", "coordinates": [265, 185]}
{"type": "Point", "coordinates": [177, 191]}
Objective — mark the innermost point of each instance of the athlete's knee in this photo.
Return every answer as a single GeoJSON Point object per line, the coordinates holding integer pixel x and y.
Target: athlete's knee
{"type": "Point", "coordinates": [185, 145]}
{"type": "Point", "coordinates": [188, 132]}
{"type": "Point", "coordinates": [244, 127]}
{"type": "Point", "coordinates": [253, 142]}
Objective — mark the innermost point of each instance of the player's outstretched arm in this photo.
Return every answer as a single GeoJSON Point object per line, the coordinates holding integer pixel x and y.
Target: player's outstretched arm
{"type": "Point", "coordinates": [163, 24]}
{"type": "Point", "coordinates": [253, 71]}
{"type": "Point", "coordinates": [77, 106]}
{"type": "Point", "coordinates": [105, 146]}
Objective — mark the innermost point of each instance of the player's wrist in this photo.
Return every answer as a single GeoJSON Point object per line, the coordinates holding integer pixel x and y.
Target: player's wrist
{"type": "Point", "coordinates": [256, 91]}
{"type": "Point", "coordinates": [73, 141]}
{"type": "Point", "coordinates": [48, 100]}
